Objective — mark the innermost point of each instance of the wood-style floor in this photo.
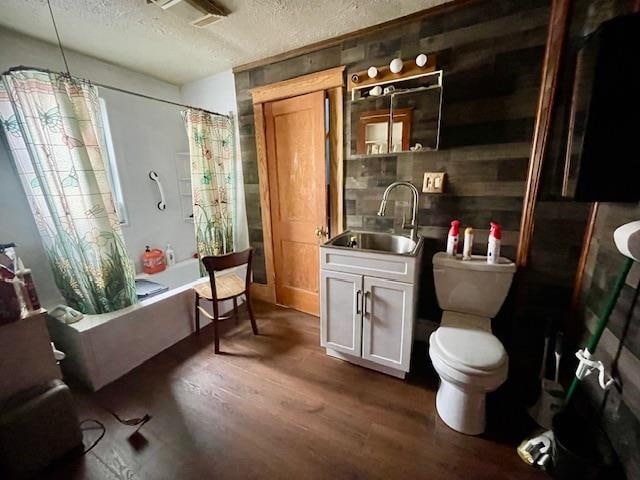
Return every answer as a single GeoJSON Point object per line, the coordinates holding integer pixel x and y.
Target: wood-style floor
{"type": "Point", "coordinates": [275, 406]}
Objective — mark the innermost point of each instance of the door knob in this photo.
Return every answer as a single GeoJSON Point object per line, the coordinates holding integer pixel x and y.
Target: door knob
{"type": "Point", "coordinates": [321, 232]}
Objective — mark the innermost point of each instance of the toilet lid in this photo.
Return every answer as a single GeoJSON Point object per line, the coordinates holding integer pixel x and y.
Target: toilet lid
{"type": "Point", "coordinates": [477, 349]}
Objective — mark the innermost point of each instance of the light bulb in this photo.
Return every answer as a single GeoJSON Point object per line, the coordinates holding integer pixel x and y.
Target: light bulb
{"type": "Point", "coordinates": [396, 65]}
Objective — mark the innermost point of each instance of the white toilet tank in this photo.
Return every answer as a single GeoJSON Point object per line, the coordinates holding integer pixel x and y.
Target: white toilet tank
{"type": "Point", "coordinates": [472, 286]}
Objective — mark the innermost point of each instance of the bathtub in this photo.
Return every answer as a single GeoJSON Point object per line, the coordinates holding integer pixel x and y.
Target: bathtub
{"type": "Point", "coordinates": [102, 348]}
{"type": "Point", "coordinates": [176, 276]}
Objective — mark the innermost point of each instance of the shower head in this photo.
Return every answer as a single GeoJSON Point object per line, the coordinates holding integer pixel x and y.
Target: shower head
{"type": "Point", "coordinates": [627, 240]}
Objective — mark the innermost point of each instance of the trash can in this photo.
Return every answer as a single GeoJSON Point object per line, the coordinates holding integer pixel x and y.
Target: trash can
{"type": "Point", "coordinates": [582, 449]}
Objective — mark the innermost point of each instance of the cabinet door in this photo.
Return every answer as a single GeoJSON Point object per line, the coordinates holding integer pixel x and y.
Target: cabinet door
{"type": "Point", "coordinates": [387, 330]}
{"type": "Point", "coordinates": [340, 311]}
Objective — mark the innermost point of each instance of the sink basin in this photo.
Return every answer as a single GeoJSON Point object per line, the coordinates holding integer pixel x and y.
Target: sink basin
{"type": "Point", "coordinates": [377, 242]}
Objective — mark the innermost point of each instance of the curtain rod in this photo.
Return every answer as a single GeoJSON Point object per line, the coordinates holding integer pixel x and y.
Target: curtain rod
{"type": "Point", "coordinates": [116, 89]}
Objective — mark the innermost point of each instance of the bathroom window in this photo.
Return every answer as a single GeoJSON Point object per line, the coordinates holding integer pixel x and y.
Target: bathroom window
{"type": "Point", "coordinates": [112, 167]}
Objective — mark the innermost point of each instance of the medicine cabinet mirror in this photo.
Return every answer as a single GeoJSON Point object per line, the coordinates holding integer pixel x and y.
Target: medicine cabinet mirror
{"type": "Point", "coordinates": [397, 116]}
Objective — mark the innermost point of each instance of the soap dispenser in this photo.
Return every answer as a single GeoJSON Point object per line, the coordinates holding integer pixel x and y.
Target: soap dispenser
{"type": "Point", "coordinates": [453, 238]}
{"type": "Point", "coordinates": [493, 246]}
{"type": "Point", "coordinates": [170, 255]}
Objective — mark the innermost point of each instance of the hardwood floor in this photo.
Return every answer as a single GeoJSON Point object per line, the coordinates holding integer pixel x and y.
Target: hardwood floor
{"type": "Point", "coordinates": [275, 406]}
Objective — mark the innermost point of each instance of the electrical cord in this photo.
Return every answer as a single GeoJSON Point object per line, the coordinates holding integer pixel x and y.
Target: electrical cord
{"type": "Point", "coordinates": [132, 422]}
{"type": "Point", "coordinates": [100, 426]}
{"type": "Point", "coordinates": [138, 422]}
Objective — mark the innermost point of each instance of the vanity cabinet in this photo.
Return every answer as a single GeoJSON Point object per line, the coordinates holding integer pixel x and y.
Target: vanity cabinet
{"type": "Point", "coordinates": [367, 308]}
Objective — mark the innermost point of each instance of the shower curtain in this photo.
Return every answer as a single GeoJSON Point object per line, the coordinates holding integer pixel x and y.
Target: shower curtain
{"type": "Point", "coordinates": [212, 155]}
{"type": "Point", "coordinates": [54, 132]}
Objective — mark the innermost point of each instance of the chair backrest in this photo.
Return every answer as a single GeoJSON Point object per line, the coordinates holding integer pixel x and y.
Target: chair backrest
{"type": "Point", "coordinates": [216, 263]}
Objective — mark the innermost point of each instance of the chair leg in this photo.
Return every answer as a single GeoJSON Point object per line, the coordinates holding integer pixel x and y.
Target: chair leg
{"type": "Point", "coordinates": [235, 309]}
{"type": "Point", "coordinates": [254, 326]}
{"type": "Point", "coordinates": [216, 320]}
{"type": "Point", "coordinates": [197, 316]}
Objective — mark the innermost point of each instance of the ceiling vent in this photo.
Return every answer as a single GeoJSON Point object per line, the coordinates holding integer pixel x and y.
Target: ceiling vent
{"type": "Point", "coordinates": [198, 13]}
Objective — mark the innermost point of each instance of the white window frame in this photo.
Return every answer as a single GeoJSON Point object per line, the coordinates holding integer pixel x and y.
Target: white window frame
{"type": "Point", "coordinates": [112, 167]}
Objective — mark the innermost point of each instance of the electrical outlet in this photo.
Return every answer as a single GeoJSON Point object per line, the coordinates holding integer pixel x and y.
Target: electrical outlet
{"type": "Point", "coordinates": [433, 182]}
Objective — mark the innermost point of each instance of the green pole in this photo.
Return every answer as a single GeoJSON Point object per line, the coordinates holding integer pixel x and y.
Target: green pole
{"type": "Point", "coordinates": [604, 319]}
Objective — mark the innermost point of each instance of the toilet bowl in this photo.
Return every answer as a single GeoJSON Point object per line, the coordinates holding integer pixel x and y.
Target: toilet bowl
{"type": "Point", "coordinates": [470, 362]}
{"type": "Point", "coordinates": [468, 358]}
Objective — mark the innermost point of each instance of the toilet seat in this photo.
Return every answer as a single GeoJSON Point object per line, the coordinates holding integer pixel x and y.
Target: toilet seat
{"type": "Point", "coordinates": [464, 376]}
{"type": "Point", "coordinates": [471, 351]}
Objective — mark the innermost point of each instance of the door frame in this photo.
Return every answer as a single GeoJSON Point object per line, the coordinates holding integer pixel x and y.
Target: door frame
{"type": "Point", "coordinates": [332, 83]}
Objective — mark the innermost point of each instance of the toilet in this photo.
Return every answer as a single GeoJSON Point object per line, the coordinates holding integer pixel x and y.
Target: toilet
{"type": "Point", "coordinates": [469, 359]}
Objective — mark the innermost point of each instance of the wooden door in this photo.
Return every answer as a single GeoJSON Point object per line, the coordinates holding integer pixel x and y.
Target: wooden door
{"type": "Point", "coordinates": [295, 138]}
{"type": "Point", "coordinates": [387, 324]}
{"type": "Point", "coordinates": [341, 312]}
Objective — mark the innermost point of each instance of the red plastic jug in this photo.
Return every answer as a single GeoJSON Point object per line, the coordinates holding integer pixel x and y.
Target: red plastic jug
{"type": "Point", "coordinates": [153, 260]}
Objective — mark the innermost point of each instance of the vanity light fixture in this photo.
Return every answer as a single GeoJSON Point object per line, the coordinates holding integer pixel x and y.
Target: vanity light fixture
{"type": "Point", "coordinates": [396, 70]}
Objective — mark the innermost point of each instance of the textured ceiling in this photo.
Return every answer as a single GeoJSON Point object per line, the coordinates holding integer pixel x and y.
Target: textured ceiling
{"type": "Point", "coordinates": [144, 38]}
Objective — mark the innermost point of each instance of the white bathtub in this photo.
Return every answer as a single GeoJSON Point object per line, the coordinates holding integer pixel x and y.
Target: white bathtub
{"type": "Point", "coordinates": [102, 348]}
{"type": "Point", "coordinates": [177, 275]}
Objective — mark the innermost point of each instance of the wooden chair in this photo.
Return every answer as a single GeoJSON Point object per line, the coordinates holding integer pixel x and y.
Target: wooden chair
{"type": "Point", "coordinates": [224, 287]}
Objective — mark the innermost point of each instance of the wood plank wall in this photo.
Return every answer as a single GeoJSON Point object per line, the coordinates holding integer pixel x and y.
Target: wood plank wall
{"type": "Point", "coordinates": [621, 340]}
{"type": "Point", "coordinates": [491, 53]}
{"type": "Point", "coordinates": [558, 232]}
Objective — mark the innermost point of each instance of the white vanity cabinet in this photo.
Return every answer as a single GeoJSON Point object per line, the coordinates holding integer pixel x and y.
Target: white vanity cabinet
{"type": "Point", "coordinates": [367, 307]}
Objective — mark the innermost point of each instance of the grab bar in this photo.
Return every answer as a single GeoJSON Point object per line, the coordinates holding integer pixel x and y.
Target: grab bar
{"type": "Point", "coordinates": [162, 205]}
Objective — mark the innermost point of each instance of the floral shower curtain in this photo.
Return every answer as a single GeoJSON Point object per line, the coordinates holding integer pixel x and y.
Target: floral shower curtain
{"type": "Point", "coordinates": [212, 150]}
{"type": "Point", "coordinates": [54, 131]}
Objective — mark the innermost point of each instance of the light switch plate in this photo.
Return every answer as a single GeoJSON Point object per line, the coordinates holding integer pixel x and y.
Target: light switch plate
{"type": "Point", "coordinates": [433, 182]}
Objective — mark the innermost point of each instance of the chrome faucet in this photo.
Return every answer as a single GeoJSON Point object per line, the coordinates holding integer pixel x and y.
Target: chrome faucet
{"type": "Point", "coordinates": [414, 207]}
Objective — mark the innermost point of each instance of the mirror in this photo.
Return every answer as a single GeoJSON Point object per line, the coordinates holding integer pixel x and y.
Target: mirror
{"type": "Point", "coordinates": [397, 117]}
{"type": "Point", "coordinates": [370, 118]}
{"type": "Point", "coordinates": [421, 107]}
